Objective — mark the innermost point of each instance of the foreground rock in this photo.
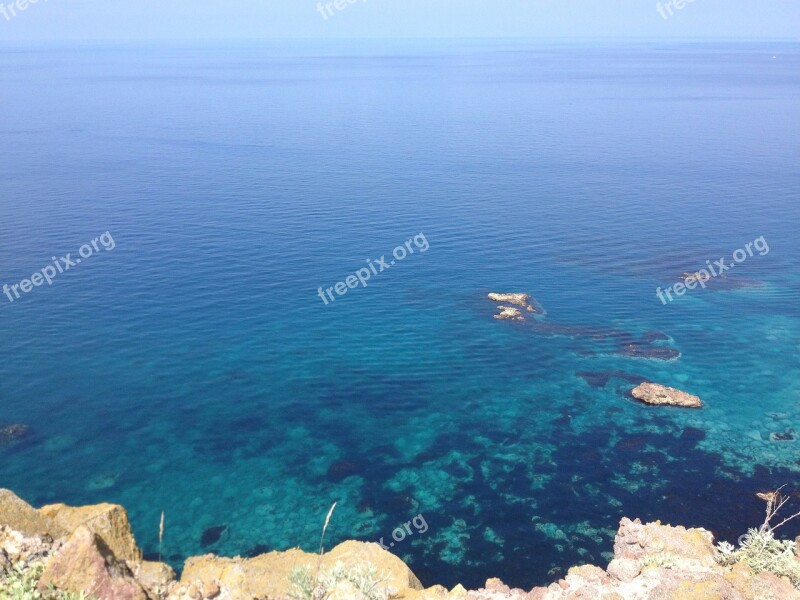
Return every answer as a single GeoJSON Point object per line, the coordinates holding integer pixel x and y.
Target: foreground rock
{"type": "Point", "coordinates": [88, 549]}
{"type": "Point", "coordinates": [268, 575]}
{"type": "Point", "coordinates": [651, 562]}
{"type": "Point", "coordinates": [109, 521]}
{"type": "Point", "coordinates": [660, 395]}
{"type": "Point", "coordinates": [659, 562]}
{"type": "Point", "coordinates": [85, 564]}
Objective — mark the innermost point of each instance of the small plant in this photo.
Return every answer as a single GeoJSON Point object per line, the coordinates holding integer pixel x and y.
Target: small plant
{"type": "Point", "coordinates": [319, 584]}
{"type": "Point", "coordinates": [659, 560]}
{"type": "Point", "coordinates": [760, 550]}
{"type": "Point", "coordinates": [363, 578]}
{"type": "Point", "coordinates": [21, 583]}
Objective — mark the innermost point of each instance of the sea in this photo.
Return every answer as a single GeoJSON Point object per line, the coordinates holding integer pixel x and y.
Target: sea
{"type": "Point", "coordinates": [263, 272]}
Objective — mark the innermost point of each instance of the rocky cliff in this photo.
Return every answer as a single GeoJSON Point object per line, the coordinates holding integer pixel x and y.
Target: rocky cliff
{"type": "Point", "coordinates": [92, 550]}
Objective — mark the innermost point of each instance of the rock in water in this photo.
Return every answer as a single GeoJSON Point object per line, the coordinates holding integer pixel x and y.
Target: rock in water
{"type": "Point", "coordinates": [660, 395]}
{"type": "Point", "coordinates": [508, 312]}
{"type": "Point", "coordinates": [699, 277]}
{"type": "Point", "coordinates": [517, 299]}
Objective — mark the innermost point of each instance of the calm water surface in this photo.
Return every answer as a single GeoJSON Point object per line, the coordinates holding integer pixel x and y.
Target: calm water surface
{"type": "Point", "coordinates": [195, 370]}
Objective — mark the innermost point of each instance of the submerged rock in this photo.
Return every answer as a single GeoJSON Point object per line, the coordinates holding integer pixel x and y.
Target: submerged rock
{"type": "Point", "coordinates": [600, 379]}
{"type": "Point", "coordinates": [11, 433]}
{"type": "Point", "coordinates": [212, 535]}
{"type": "Point", "coordinates": [660, 395]}
{"type": "Point", "coordinates": [655, 336]}
{"type": "Point", "coordinates": [636, 350]}
{"type": "Point", "coordinates": [342, 469]}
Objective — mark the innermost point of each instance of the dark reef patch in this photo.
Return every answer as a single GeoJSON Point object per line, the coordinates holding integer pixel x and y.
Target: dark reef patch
{"type": "Point", "coordinates": [637, 350]}
{"type": "Point", "coordinates": [343, 469]}
{"type": "Point", "coordinates": [600, 379]}
{"type": "Point", "coordinates": [655, 336]}
{"type": "Point", "coordinates": [212, 535]}
{"type": "Point", "coordinates": [692, 434]}
{"type": "Point", "coordinates": [592, 479]}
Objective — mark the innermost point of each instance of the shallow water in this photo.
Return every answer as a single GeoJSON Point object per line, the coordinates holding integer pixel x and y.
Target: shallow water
{"type": "Point", "coordinates": [194, 369]}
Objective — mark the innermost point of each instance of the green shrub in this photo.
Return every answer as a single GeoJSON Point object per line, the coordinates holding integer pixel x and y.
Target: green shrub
{"type": "Point", "coordinates": [21, 584]}
{"type": "Point", "coordinates": [364, 578]}
{"type": "Point", "coordinates": [760, 551]}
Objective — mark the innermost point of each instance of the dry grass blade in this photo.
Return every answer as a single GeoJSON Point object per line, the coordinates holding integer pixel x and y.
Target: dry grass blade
{"type": "Point", "coordinates": [160, 535]}
{"type": "Point", "coordinates": [321, 542]}
{"type": "Point", "coordinates": [325, 527]}
{"type": "Point", "coordinates": [775, 502]}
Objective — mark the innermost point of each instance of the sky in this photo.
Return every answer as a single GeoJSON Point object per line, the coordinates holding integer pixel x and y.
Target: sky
{"type": "Point", "coordinates": [124, 20]}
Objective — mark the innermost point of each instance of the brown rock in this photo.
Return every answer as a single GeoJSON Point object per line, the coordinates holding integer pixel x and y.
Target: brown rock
{"type": "Point", "coordinates": [156, 578]}
{"type": "Point", "coordinates": [691, 548]}
{"type": "Point", "coordinates": [109, 521]}
{"type": "Point", "coordinates": [624, 569]}
{"type": "Point", "coordinates": [211, 589]}
{"type": "Point", "coordinates": [17, 548]}
{"type": "Point", "coordinates": [268, 574]}
{"type": "Point", "coordinates": [86, 565]}
{"type": "Point", "coordinates": [659, 395]}
{"type": "Point", "coordinates": [694, 586]}
{"type": "Point", "coordinates": [22, 517]}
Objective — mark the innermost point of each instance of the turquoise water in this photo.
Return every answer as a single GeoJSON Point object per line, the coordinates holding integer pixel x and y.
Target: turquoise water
{"type": "Point", "coordinates": [194, 369]}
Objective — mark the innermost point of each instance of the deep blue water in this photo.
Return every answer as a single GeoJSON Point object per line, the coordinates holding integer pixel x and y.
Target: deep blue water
{"type": "Point", "coordinates": [195, 370]}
